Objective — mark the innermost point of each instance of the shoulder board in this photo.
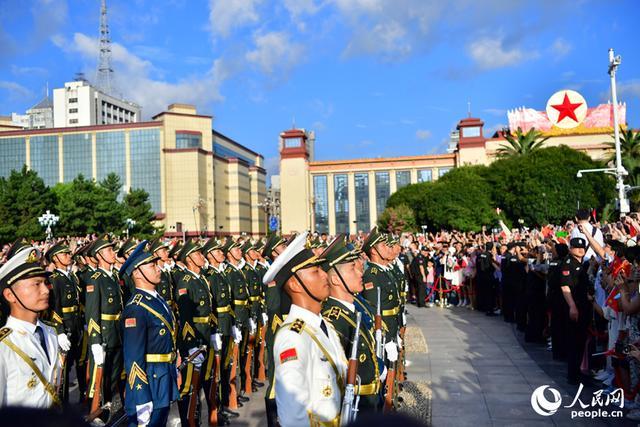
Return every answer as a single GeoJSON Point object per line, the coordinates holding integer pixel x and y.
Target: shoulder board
{"type": "Point", "coordinates": [228, 269]}
{"type": "Point", "coordinates": [187, 277]}
{"type": "Point", "coordinates": [136, 299]}
{"type": "Point", "coordinates": [4, 332]}
{"type": "Point", "coordinates": [332, 313]}
{"type": "Point", "coordinates": [55, 275]}
{"type": "Point", "coordinates": [297, 326]}
{"type": "Point", "coordinates": [373, 270]}
{"type": "Point", "coordinates": [95, 275]}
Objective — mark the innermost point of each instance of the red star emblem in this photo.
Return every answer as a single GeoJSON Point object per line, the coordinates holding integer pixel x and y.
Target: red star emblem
{"type": "Point", "coordinates": [567, 109]}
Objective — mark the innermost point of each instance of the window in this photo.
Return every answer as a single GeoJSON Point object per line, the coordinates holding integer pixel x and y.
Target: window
{"type": "Point", "coordinates": [110, 155]}
{"type": "Point", "coordinates": [321, 207]}
{"type": "Point", "coordinates": [341, 196]}
{"type": "Point", "coordinates": [73, 100]}
{"type": "Point", "coordinates": [44, 158]}
{"type": "Point", "coordinates": [403, 178]}
{"type": "Point", "coordinates": [77, 156]}
{"type": "Point", "coordinates": [362, 201]}
{"type": "Point", "coordinates": [292, 142]}
{"type": "Point", "coordinates": [383, 191]}
{"type": "Point", "coordinates": [424, 175]}
{"type": "Point", "coordinates": [73, 121]}
{"type": "Point", "coordinates": [228, 153]}
{"type": "Point", "coordinates": [13, 155]}
{"type": "Point", "coordinates": [188, 140]}
{"type": "Point", "coordinates": [73, 110]}
{"type": "Point", "coordinates": [471, 132]}
{"type": "Point", "coordinates": [145, 164]}
{"type": "Point", "coordinates": [442, 171]}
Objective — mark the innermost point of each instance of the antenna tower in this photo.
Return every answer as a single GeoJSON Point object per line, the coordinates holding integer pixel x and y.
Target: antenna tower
{"type": "Point", "coordinates": [104, 74]}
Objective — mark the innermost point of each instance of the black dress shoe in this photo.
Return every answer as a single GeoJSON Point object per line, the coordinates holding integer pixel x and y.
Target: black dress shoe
{"type": "Point", "coordinates": [243, 399]}
{"type": "Point", "coordinates": [257, 384]}
{"type": "Point", "coordinates": [229, 413]}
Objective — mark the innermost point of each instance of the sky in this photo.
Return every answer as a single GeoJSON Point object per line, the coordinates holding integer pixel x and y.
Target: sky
{"type": "Point", "coordinates": [372, 78]}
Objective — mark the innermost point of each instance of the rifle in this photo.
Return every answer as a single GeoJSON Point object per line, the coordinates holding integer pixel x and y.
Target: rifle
{"type": "Point", "coordinates": [262, 376]}
{"type": "Point", "coordinates": [351, 400]}
{"type": "Point", "coordinates": [391, 377]}
{"type": "Point", "coordinates": [202, 349]}
{"type": "Point", "coordinates": [378, 328]}
{"type": "Point", "coordinates": [249, 363]}
{"type": "Point", "coordinates": [195, 396]}
{"type": "Point", "coordinates": [61, 374]}
{"type": "Point", "coordinates": [233, 376]}
{"type": "Point", "coordinates": [213, 392]}
{"type": "Point", "coordinates": [96, 409]}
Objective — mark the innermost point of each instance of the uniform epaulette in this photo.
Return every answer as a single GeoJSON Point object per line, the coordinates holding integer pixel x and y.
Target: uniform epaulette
{"type": "Point", "coordinates": [297, 326]}
{"type": "Point", "coordinates": [136, 299]}
{"type": "Point", "coordinates": [55, 275]}
{"type": "Point", "coordinates": [95, 275]}
{"type": "Point", "coordinates": [4, 332]}
{"type": "Point", "coordinates": [374, 270]}
{"type": "Point", "coordinates": [333, 313]}
{"type": "Point", "coordinates": [228, 270]}
{"type": "Point", "coordinates": [187, 277]}
{"type": "Point", "coordinates": [49, 324]}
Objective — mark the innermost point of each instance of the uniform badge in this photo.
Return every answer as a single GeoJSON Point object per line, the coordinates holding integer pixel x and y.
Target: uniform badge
{"type": "Point", "coordinates": [89, 288]}
{"type": "Point", "coordinates": [32, 382]}
{"type": "Point", "coordinates": [222, 295]}
{"type": "Point", "coordinates": [130, 323]}
{"type": "Point", "coordinates": [68, 296]}
{"type": "Point", "coordinates": [288, 355]}
{"type": "Point", "coordinates": [368, 285]}
{"type": "Point", "coordinates": [327, 391]}
{"type": "Point", "coordinates": [201, 303]}
{"type": "Point", "coordinates": [110, 300]}
{"type": "Point", "coordinates": [182, 291]}
{"type": "Point", "coordinates": [362, 358]}
{"type": "Point", "coordinates": [566, 273]}
{"type": "Point", "coordinates": [390, 297]}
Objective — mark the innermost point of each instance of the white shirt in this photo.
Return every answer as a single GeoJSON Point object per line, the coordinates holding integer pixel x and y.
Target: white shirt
{"type": "Point", "coordinates": [19, 386]}
{"type": "Point", "coordinates": [305, 382]}
{"type": "Point", "coordinates": [598, 237]}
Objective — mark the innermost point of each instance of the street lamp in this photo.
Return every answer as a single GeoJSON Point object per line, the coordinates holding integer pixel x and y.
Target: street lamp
{"type": "Point", "coordinates": [619, 171]}
{"type": "Point", "coordinates": [424, 229]}
{"type": "Point", "coordinates": [130, 224]}
{"type": "Point", "coordinates": [48, 220]}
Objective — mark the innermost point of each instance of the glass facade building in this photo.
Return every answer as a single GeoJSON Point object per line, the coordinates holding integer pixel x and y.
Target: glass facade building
{"type": "Point", "coordinates": [321, 207]}
{"type": "Point", "coordinates": [403, 178]}
{"type": "Point", "coordinates": [110, 150]}
{"type": "Point", "coordinates": [14, 155]}
{"type": "Point", "coordinates": [77, 155]}
{"type": "Point", "coordinates": [44, 158]}
{"type": "Point", "coordinates": [362, 201]}
{"type": "Point", "coordinates": [383, 191]}
{"type": "Point", "coordinates": [145, 163]}
{"type": "Point", "coordinates": [341, 196]}
{"type": "Point", "coordinates": [188, 140]}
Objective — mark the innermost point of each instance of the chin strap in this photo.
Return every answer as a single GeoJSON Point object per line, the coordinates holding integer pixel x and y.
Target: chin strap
{"type": "Point", "coordinates": [147, 279]}
{"type": "Point", "coordinates": [23, 306]}
{"type": "Point", "coordinates": [344, 284]}
{"type": "Point", "coordinates": [307, 290]}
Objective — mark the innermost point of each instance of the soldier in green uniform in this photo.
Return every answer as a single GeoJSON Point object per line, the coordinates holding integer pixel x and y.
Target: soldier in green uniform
{"type": "Point", "coordinates": [165, 287]}
{"type": "Point", "coordinates": [66, 315]}
{"type": "Point", "coordinates": [195, 313]}
{"type": "Point", "coordinates": [238, 284]}
{"type": "Point", "coordinates": [340, 309]}
{"type": "Point", "coordinates": [376, 276]}
{"type": "Point", "coordinates": [221, 294]}
{"type": "Point", "coordinates": [126, 282]}
{"type": "Point", "coordinates": [102, 313]}
{"type": "Point", "coordinates": [273, 247]}
{"type": "Point", "coordinates": [254, 287]}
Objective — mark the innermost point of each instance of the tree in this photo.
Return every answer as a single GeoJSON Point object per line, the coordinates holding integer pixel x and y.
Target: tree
{"type": "Point", "coordinates": [112, 183]}
{"type": "Point", "coordinates": [77, 201]}
{"type": "Point", "coordinates": [137, 207]}
{"type": "Point", "coordinates": [413, 196]}
{"type": "Point", "coordinates": [522, 143]}
{"type": "Point", "coordinates": [397, 219]}
{"type": "Point", "coordinates": [542, 186]}
{"type": "Point", "coordinates": [23, 198]}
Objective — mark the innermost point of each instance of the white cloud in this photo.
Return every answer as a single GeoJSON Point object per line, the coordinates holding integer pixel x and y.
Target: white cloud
{"type": "Point", "coordinates": [489, 53]}
{"type": "Point", "coordinates": [628, 89]}
{"type": "Point", "coordinates": [34, 71]}
{"type": "Point", "coordinates": [423, 134]}
{"type": "Point", "coordinates": [560, 48]}
{"type": "Point", "coordinates": [136, 80]}
{"type": "Point", "coordinates": [495, 111]}
{"type": "Point", "coordinates": [15, 90]}
{"type": "Point", "coordinates": [225, 15]}
{"type": "Point", "coordinates": [301, 7]}
{"type": "Point", "coordinates": [274, 51]}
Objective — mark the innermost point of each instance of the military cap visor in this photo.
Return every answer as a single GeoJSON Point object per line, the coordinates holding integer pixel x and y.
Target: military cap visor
{"type": "Point", "coordinates": [230, 244]}
{"type": "Point", "coordinates": [18, 246]}
{"type": "Point", "coordinates": [98, 245]}
{"type": "Point", "coordinates": [126, 247]}
{"type": "Point", "coordinates": [55, 250]}
{"type": "Point", "coordinates": [273, 242]}
{"type": "Point", "coordinates": [211, 245]}
{"type": "Point", "coordinates": [338, 253]}
{"type": "Point", "coordinates": [156, 245]}
{"type": "Point", "coordinates": [293, 259]}
{"type": "Point", "coordinates": [372, 239]}
{"type": "Point", "coordinates": [188, 248]}
{"type": "Point", "coordinates": [23, 265]}
{"type": "Point", "coordinates": [138, 257]}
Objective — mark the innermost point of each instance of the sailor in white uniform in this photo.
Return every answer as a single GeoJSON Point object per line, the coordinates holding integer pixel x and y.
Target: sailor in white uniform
{"type": "Point", "coordinates": [29, 359]}
{"type": "Point", "coordinates": [310, 364]}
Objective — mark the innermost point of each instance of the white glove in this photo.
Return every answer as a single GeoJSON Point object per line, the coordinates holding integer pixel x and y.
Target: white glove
{"type": "Point", "coordinates": [252, 326]}
{"type": "Point", "coordinates": [237, 335]}
{"type": "Point", "coordinates": [197, 362]}
{"type": "Point", "coordinates": [404, 319]}
{"type": "Point", "coordinates": [383, 374]}
{"type": "Point", "coordinates": [98, 354]}
{"type": "Point", "coordinates": [216, 342]}
{"type": "Point", "coordinates": [399, 341]}
{"type": "Point", "coordinates": [391, 349]}
{"type": "Point", "coordinates": [143, 412]}
{"type": "Point", "coordinates": [265, 319]}
{"type": "Point", "coordinates": [63, 342]}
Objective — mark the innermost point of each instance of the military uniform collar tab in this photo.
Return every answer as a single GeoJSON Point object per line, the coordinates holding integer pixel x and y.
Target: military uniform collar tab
{"type": "Point", "coordinates": [23, 325]}
{"type": "Point", "coordinates": [381, 267]}
{"type": "Point", "coordinates": [65, 272]}
{"type": "Point", "coordinates": [192, 272]}
{"type": "Point", "coordinates": [347, 304]}
{"type": "Point", "coordinates": [297, 312]}
{"type": "Point", "coordinates": [148, 293]}
{"type": "Point", "coordinates": [108, 273]}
